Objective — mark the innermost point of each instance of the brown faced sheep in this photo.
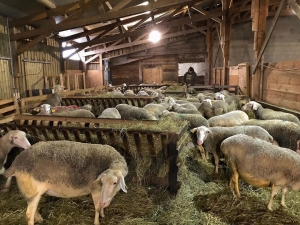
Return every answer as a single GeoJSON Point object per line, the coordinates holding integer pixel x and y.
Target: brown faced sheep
{"type": "Point", "coordinates": [69, 169]}
{"type": "Point", "coordinates": [211, 138]}
{"type": "Point", "coordinates": [13, 138]}
{"type": "Point", "coordinates": [269, 114]}
{"type": "Point", "coordinates": [261, 164]}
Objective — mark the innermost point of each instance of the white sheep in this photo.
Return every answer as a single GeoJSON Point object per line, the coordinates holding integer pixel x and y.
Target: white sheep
{"type": "Point", "coordinates": [45, 109]}
{"type": "Point", "coordinates": [261, 164]}
{"type": "Point", "coordinates": [129, 112]}
{"type": "Point", "coordinates": [142, 93]}
{"type": "Point", "coordinates": [112, 113]}
{"type": "Point", "coordinates": [13, 138]}
{"type": "Point", "coordinates": [129, 93]}
{"type": "Point", "coordinates": [233, 118]}
{"type": "Point", "coordinates": [211, 138]}
{"type": "Point", "coordinates": [76, 113]}
{"type": "Point", "coordinates": [69, 169]}
{"type": "Point", "coordinates": [269, 114]}
{"type": "Point", "coordinates": [286, 133]}
{"type": "Point", "coordinates": [155, 109]}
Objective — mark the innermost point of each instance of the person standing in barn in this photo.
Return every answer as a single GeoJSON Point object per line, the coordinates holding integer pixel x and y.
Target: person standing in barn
{"type": "Point", "coordinates": [189, 78]}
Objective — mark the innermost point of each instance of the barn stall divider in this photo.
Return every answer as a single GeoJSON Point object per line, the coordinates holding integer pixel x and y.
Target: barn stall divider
{"type": "Point", "coordinates": [139, 139]}
{"type": "Point", "coordinates": [98, 103]}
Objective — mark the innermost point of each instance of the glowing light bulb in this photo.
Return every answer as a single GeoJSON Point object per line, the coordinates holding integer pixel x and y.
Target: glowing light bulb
{"type": "Point", "coordinates": [154, 36]}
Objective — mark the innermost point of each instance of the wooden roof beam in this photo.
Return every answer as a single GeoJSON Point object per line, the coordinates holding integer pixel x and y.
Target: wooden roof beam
{"type": "Point", "coordinates": [172, 23]}
{"type": "Point", "coordinates": [295, 7]}
{"type": "Point", "coordinates": [204, 12]}
{"type": "Point", "coordinates": [146, 41]}
{"type": "Point", "coordinates": [96, 19]}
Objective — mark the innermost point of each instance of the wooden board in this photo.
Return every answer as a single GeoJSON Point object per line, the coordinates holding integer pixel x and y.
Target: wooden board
{"type": "Point", "coordinates": [152, 75]}
{"type": "Point", "coordinates": [94, 78]}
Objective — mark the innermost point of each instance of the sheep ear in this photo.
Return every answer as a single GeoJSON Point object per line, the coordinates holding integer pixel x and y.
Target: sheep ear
{"type": "Point", "coordinates": [98, 180]}
{"type": "Point", "coordinates": [193, 130]}
{"type": "Point", "coordinates": [122, 184]}
{"type": "Point", "coordinates": [298, 145]}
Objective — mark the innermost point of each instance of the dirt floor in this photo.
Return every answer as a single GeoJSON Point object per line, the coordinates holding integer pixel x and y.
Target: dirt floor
{"type": "Point", "coordinates": [204, 198]}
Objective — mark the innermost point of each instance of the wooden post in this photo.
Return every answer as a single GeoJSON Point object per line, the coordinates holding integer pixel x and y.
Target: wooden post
{"type": "Point", "coordinates": [209, 49]}
{"type": "Point", "coordinates": [61, 58]}
{"type": "Point", "coordinates": [259, 12]}
{"type": "Point", "coordinates": [225, 35]}
{"type": "Point", "coordinates": [101, 69]}
{"type": "Point", "coordinates": [140, 72]}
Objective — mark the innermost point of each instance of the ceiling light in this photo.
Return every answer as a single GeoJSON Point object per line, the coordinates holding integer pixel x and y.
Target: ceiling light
{"type": "Point", "coordinates": [154, 36]}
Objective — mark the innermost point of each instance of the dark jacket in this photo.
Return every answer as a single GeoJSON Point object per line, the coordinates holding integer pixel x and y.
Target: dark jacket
{"type": "Point", "coordinates": [190, 78]}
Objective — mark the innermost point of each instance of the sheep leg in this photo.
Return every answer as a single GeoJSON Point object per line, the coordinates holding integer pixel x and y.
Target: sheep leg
{"type": "Point", "coordinates": [7, 185]}
{"type": "Point", "coordinates": [32, 209]}
{"type": "Point", "coordinates": [284, 190]}
{"type": "Point", "coordinates": [37, 217]}
{"type": "Point", "coordinates": [96, 193]}
{"type": "Point", "coordinates": [234, 180]}
{"type": "Point", "coordinates": [217, 159]}
{"type": "Point", "coordinates": [275, 190]}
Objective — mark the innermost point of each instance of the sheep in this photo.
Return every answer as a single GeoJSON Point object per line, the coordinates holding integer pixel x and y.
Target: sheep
{"type": "Point", "coordinates": [45, 109]}
{"type": "Point", "coordinates": [211, 143]}
{"type": "Point", "coordinates": [142, 93]}
{"type": "Point", "coordinates": [117, 92]}
{"type": "Point", "coordinates": [242, 100]}
{"type": "Point", "coordinates": [55, 99]}
{"type": "Point", "coordinates": [181, 109]}
{"type": "Point", "coordinates": [13, 138]}
{"type": "Point", "coordinates": [76, 113]}
{"type": "Point", "coordinates": [112, 113]}
{"type": "Point", "coordinates": [202, 97]}
{"type": "Point", "coordinates": [261, 164]}
{"type": "Point", "coordinates": [229, 119]}
{"type": "Point", "coordinates": [195, 120]}
{"type": "Point", "coordinates": [286, 133]}
{"type": "Point", "coordinates": [129, 112]}
{"type": "Point", "coordinates": [155, 109]}
{"type": "Point", "coordinates": [210, 108]}
{"type": "Point", "coordinates": [228, 98]}
{"type": "Point", "coordinates": [129, 93]}
{"type": "Point", "coordinates": [69, 169]}
{"type": "Point", "coordinates": [269, 114]}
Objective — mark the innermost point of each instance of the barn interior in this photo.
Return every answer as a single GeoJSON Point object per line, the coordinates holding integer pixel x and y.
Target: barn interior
{"type": "Point", "coordinates": [94, 47]}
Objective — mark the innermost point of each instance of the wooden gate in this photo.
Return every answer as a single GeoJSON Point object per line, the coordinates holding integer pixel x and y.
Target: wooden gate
{"type": "Point", "coordinates": [34, 75]}
{"type": "Point", "coordinates": [152, 75]}
{"type": "Point", "coordinates": [6, 90]}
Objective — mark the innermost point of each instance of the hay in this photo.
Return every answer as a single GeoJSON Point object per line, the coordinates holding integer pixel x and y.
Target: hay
{"type": "Point", "coordinates": [204, 198]}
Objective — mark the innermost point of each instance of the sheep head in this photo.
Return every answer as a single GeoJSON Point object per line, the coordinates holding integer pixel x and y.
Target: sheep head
{"type": "Point", "coordinates": [252, 105]}
{"type": "Point", "coordinates": [112, 181]}
{"type": "Point", "coordinates": [202, 133]}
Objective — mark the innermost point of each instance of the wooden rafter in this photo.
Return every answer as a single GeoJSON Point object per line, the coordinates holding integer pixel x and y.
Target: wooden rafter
{"type": "Point", "coordinates": [204, 12]}
{"type": "Point", "coordinates": [295, 7]}
{"type": "Point", "coordinates": [166, 36]}
{"type": "Point", "coordinates": [96, 19]}
{"type": "Point", "coordinates": [173, 23]}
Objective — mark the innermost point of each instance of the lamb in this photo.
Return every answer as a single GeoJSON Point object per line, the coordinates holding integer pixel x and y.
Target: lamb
{"type": "Point", "coordinates": [233, 118]}
{"type": "Point", "coordinates": [211, 143]}
{"type": "Point", "coordinates": [155, 109]}
{"type": "Point", "coordinates": [195, 120]}
{"type": "Point", "coordinates": [55, 99]}
{"type": "Point", "coordinates": [69, 169]}
{"type": "Point", "coordinates": [286, 133]}
{"type": "Point", "coordinates": [13, 138]}
{"type": "Point", "coordinates": [129, 112]}
{"type": "Point", "coordinates": [112, 113]}
{"type": "Point", "coordinates": [269, 114]}
{"type": "Point", "coordinates": [261, 164]}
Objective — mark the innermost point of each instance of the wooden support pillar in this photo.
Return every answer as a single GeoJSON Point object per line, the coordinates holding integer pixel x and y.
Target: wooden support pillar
{"type": "Point", "coordinates": [107, 79]}
{"type": "Point", "coordinates": [140, 72]}
{"type": "Point", "coordinates": [101, 69]}
{"type": "Point", "coordinates": [225, 36]}
{"type": "Point", "coordinates": [209, 49]}
{"type": "Point", "coordinates": [61, 59]}
{"type": "Point", "coordinates": [259, 13]}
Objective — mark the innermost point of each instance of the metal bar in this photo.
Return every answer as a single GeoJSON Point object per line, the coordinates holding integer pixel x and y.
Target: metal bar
{"type": "Point", "coordinates": [262, 50]}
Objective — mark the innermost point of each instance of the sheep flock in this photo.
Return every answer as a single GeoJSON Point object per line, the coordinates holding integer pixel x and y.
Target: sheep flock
{"type": "Point", "coordinates": [236, 157]}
